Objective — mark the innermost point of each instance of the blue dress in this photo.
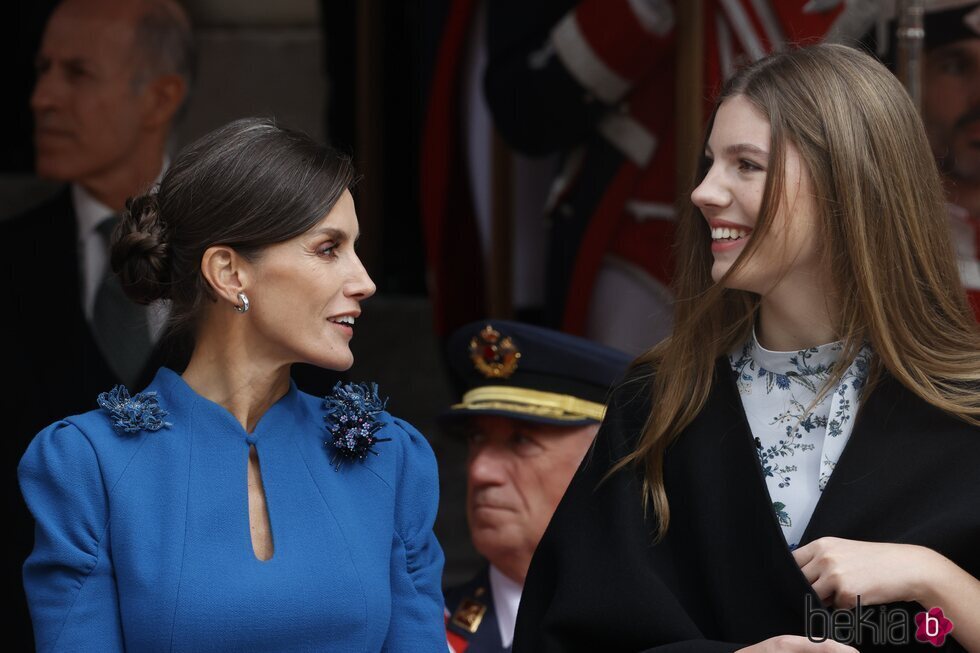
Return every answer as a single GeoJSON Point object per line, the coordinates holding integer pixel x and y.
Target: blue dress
{"type": "Point", "coordinates": [143, 539]}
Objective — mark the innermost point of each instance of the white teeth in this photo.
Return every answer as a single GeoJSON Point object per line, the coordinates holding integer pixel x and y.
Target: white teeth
{"type": "Point", "coordinates": [346, 319]}
{"type": "Point", "coordinates": [726, 233]}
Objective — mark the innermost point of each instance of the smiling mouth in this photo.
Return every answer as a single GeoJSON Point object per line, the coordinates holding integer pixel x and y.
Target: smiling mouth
{"type": "Point", "coordinates": [344, 321]}
{"type": "Point", "coordinates": [727, 234]}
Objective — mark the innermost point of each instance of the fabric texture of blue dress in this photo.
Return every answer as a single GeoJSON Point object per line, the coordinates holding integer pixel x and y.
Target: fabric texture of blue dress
{"type": "Point", "coordinates": [143, 540]}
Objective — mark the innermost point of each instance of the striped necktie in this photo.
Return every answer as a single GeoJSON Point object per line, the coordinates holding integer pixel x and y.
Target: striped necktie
{"type": "Point", "coordinates": [121, 326]}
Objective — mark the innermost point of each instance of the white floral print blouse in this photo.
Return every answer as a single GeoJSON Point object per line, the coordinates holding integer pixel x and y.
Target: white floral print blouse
{"type": "Point", "coordinates": [798, 443]}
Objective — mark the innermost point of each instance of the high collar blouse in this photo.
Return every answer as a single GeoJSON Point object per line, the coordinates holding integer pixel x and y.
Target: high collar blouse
{"type": "Point", "coordinates": [799, 428]}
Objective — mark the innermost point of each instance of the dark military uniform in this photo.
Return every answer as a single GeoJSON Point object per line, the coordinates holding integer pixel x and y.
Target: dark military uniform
{"type": "Point", "coordinates": [531, 375]}
{"type": "Point", "coordinates": [471, 617]}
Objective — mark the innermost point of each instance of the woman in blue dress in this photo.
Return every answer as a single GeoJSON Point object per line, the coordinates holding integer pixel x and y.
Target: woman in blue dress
{"type": "Point", "coordinates": [222, 508]}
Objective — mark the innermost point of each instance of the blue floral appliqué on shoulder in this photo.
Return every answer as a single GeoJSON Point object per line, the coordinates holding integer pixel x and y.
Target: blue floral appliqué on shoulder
{"type": "Point", "coordinates": [352, 421]}
{"type": "Point", "coordinates": [130, 414]}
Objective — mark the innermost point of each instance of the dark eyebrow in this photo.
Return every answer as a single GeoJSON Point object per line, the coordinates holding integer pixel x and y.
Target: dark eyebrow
{"type": "Point", "coordinates": [74, 62]}
{"type": "Point", "coordinates": [739, 148]}
{"type": "Point", "coordinates": [745, 148]}
{"type": "Point", "coordinates": [338, 235]}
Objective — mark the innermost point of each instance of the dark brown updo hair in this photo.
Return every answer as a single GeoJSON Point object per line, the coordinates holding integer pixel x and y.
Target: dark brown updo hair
{"type": "Point", "coordinates": [247, 185]}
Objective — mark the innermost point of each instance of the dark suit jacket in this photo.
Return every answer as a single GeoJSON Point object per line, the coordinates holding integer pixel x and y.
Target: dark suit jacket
{"type": "Point", "coordinates": [723, 576]}
{"type": "Point", "coordinates": [52, 365]}
{"type": "Point", "coordinates": [477, 590]}
{"type": "Point", "coordinates": [42, 322]}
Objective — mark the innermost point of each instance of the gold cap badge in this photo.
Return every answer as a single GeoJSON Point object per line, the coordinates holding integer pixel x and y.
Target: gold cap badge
{"type": "Point", "coordinates": [494, 357]}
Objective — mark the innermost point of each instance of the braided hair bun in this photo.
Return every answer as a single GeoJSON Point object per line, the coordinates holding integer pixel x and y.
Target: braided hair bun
{"type": "Point", "coordinates": [140, 253]}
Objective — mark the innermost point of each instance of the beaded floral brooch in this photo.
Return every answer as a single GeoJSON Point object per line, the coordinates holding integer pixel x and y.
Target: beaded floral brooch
{"type": "Point", "coordinates": [141, 412]}
{"type": "Point", "coordinates": [352, 421]}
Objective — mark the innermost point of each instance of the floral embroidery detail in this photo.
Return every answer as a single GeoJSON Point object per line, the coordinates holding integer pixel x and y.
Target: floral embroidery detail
{"type": "Point", "coordinates": [141, 412]}
{"type": "Point", "coordinates": [352, 421]}
{"type": "Point", "coordinates": [781, 515]}
{"type": "Point", "coordinates": [768, 459]}
{"type": "Point", "coordinates": [853, 379]}
{"type": "Point", "coordinates": [810, 376]}
{"type": "Point", "coordinates": [797, 439]}
{"type": "Point", "coordinates": [827, 467]}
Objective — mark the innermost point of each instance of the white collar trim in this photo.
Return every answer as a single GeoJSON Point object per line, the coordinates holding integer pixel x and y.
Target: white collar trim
{"type": "Point", "coordinates": [506, 600]}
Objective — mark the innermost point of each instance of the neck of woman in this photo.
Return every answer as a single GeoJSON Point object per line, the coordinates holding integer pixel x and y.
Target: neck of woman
{"type": "Point", "coordinates": [237, 374]}
{"type": "Point", "coordinates": [798, 314]}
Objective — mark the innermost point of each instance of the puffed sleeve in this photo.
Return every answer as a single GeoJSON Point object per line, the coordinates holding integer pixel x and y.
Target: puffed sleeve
{"type": "Point", "coordinates": [416, 574]}
{"type": "Point", "coordinates": [68, 577]}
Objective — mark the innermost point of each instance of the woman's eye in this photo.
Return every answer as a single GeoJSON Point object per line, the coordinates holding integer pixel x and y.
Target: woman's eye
{"type": "Point", "coordinates": [745, 165]}
{"type": "Point", "coordinates": [327, 249]}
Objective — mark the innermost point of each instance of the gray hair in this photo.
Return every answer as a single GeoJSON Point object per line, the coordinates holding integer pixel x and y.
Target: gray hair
{"type": "Point", "coordinates": [165, 42]}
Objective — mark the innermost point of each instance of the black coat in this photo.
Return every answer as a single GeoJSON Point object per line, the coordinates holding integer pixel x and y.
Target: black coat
{"type": "Point", "coordinates": [723, 576]}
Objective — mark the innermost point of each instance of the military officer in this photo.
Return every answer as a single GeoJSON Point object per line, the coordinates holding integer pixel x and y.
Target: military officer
{"type": "Point", "coordinates": [533, 402]}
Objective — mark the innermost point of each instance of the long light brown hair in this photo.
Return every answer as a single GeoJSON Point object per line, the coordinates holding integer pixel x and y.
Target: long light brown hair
{"type": "Point", "coordinates": [884, 238]}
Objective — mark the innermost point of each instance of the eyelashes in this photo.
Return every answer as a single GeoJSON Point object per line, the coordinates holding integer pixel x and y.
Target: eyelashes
{"type": "Point", "coordinates": [744, 165]}
{"type": "Point", "coordinates": [328, 250]}
{"type": "Point", "coordinates": [748, 166]}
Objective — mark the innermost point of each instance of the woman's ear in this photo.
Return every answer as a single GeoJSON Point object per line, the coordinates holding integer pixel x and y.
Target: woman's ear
{"type": "Point", "coordinates": [226, 271]}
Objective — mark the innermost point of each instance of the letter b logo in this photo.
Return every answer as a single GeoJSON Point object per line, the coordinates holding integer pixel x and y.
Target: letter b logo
{"type": "Point", "coordinates": [932, 627]}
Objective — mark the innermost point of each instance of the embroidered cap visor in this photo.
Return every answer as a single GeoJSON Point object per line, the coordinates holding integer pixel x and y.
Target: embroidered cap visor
{"type": "Point", "coordinates": [528, 373]}
{"type": "Point", "coordinates": [528, 405]}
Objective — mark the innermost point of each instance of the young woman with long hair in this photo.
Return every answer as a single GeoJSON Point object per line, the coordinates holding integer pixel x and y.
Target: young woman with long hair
{"type": "Point", "coordinates": [807, 439]}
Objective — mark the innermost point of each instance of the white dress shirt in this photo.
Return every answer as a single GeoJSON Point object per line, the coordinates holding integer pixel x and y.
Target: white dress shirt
{"type": "Point", "coordinates": [506, 599]}
{"type": "Point", "coordinates": [94, 258]}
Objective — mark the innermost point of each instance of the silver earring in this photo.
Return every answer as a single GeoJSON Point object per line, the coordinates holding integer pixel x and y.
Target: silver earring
{"type": "Point", "coordinates": [243, 298]}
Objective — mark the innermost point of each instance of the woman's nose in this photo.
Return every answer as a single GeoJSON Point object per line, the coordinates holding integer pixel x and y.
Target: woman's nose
{"type": "Point", "coordinates": [710, 193]}
{"type": "Point", "coordinates": [361, 286]}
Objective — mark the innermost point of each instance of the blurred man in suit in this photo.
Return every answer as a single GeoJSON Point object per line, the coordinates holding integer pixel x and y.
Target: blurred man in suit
{"type": "Point", "coordinates": [112, 76]}
{"type": "Point", "coordinates": [532, 406]}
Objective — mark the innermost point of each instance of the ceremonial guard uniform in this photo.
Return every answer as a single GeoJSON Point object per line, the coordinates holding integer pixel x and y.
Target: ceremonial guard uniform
{"type": "Point", "coordinates": [595, 79]}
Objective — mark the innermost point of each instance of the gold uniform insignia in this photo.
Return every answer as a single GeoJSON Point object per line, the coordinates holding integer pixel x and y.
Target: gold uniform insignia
{"type": "Point", "coordinates": [469, 614]}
